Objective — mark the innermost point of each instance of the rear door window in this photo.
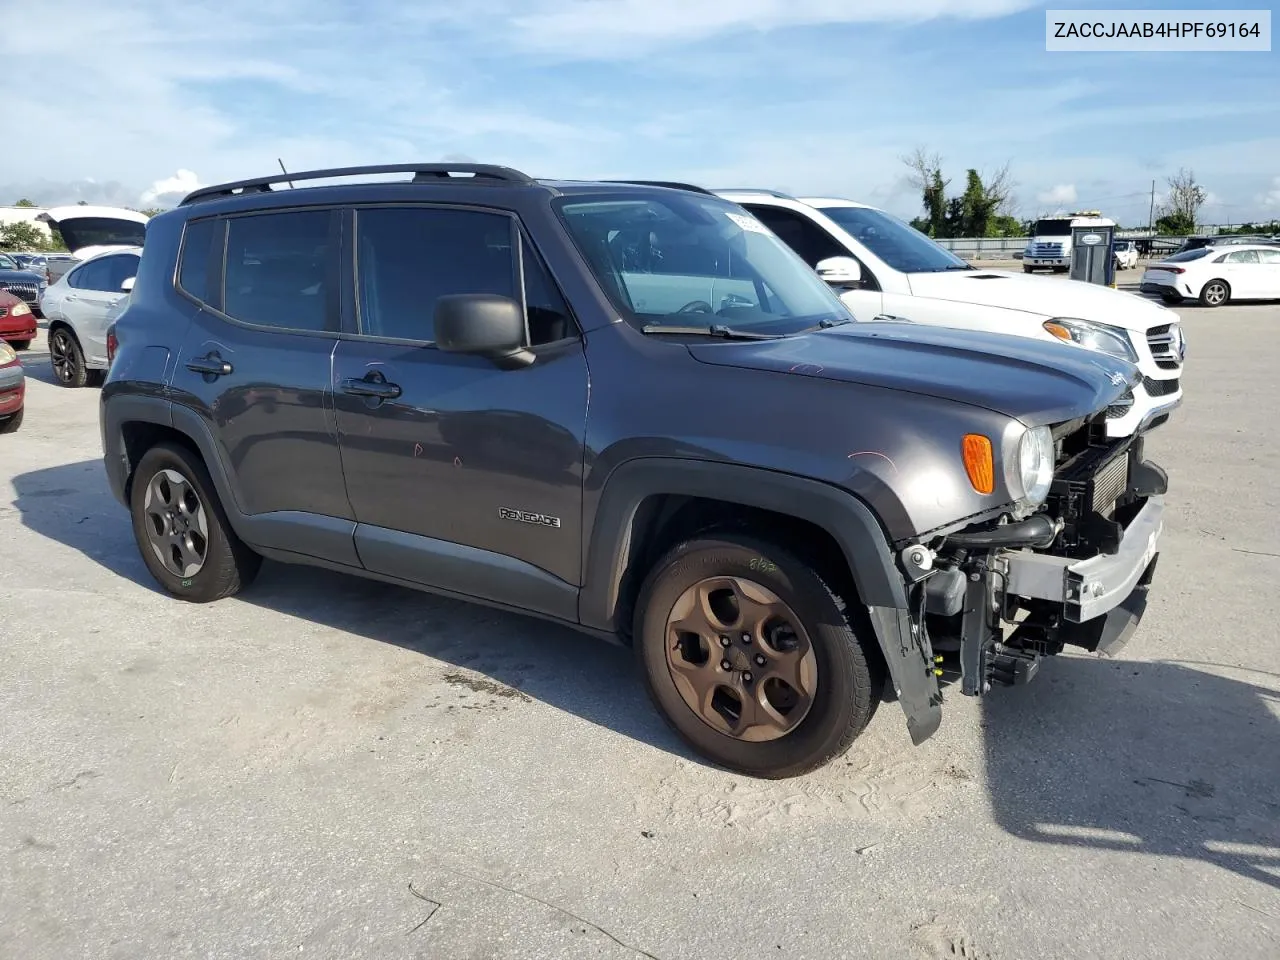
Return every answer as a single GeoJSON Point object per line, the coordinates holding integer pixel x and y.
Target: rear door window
{"type": "Point", "coordinates": [279, 270]}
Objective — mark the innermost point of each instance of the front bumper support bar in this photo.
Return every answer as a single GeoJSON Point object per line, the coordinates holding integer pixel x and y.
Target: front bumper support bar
{"type": "Point", "coordinates": [1089, 588]}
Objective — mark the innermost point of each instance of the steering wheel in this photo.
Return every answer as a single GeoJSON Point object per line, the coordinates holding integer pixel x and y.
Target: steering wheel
{"type": "Point", "coordinates": [697, 306]}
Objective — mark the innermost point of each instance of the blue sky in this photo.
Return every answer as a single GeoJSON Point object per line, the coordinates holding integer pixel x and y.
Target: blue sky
{"type": "Point", "coordinates": [137, 100]}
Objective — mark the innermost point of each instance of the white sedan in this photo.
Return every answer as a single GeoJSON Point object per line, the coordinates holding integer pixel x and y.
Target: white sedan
{"type": "Point", "coordinates": [1216, 275]}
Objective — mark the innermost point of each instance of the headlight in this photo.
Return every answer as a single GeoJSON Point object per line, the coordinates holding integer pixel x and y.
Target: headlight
{"type": "Point", "coordinates": [21, 310]}
{"type": "Point", "coordinates": [1094, 336]}
{"type": "Point", "coordinates": [1035, 464]}
{"type": "Point", "coordinates": [7, 354]}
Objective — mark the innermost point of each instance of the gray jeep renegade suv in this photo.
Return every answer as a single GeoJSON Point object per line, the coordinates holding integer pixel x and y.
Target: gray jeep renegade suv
{"type": "Point", "coordinates": [629, 408]}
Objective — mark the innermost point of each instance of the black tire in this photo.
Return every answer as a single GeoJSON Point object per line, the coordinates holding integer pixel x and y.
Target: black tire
{"type": "Point", "coordinates": [850, 668]}
{"type": "Point", "coordinates": [67, 359]}
{"type": "Point", "coordinates": [11, 423]}
{"type": "Point", "coordinates": [20, 344]}
{"type": "Point", "coordinates": [229, 565]}
{"type": "Point", "coordinates": [1215, 293]}
{"type": "Point", "coordinates": [1026, 269]}
{"type": "Point", "coordinates": [95, 378]}
{"type": "Point", "coordinates": [1171, 298]}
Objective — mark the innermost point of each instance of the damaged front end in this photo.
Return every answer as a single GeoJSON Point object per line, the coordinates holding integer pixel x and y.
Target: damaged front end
{"type": "Point", "coordinates": [990, 601]}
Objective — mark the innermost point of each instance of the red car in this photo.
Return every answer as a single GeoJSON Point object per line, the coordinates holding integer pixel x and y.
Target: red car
{"type": "Point", "coordinates": [17, 322]}
{"type": "Point", "coordinates": [13, 389]}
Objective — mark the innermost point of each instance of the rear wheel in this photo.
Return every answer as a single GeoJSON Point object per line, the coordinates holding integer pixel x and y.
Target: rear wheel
{"type": "Point", "coordinates": [20, 344]}
{"type": "Point", "coordinates": [1171, 298]}
{"type": "Point", "coordinates": [747, 652]}
{"type": "Point", "coordinates": [11, 423]}
{"type": "Point", "coordinates": [67, 359]}
{"type": "Point", "coordinates": [182, 530]}
{"type": "Point", "coordinates": [1215, 293]}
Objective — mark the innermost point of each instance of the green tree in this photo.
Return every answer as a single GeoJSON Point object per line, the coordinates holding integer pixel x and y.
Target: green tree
{"type": "Point", "coordinates": [981, 211]}
{"type": "Point", "coordinates": [22, 236]}
{"type": "Point", "coordinates": [1175, 225]}
{"type": "Point", "coordinates": [24, 202]}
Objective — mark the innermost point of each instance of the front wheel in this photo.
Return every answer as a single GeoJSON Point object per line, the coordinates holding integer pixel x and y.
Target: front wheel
{"type": "Point", "coordinates": [748, 653]}
{"type": "Point", "coordinates": [20, 344]}
{"type": "Point", "coordinates": [67, 359]}
{"type": "Point", "coordinates": [182, 530]}
{"type": "Point", "coordinates": [1215, 293]}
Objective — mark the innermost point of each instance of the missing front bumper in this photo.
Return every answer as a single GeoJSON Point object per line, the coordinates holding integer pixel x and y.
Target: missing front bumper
{"type": "Point", "coordinates": [1089, 588]}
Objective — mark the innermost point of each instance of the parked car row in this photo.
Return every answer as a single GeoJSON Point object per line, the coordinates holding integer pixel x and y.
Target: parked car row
{"type": "Point", "coordinates": [695, 423]}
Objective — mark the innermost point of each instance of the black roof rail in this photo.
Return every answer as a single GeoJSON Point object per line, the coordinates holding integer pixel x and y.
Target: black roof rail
{"type": "Point", "coordinates": [423, 173]}
{"type": "Point", "coordinates": [669, 184]}
{"type": "Point", "coordinates": [767, 192]}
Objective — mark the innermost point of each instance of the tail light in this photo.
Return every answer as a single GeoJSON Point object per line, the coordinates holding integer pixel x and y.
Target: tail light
{"type": "Point", "coordinates": [112, 344]}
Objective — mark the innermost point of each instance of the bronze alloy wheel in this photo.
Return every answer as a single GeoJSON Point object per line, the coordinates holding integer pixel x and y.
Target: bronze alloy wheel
{"type": "Point", "coordinates": [740, 659]}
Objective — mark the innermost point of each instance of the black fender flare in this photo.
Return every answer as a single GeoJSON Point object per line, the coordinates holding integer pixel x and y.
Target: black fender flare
{"type": "Point", "coordinates": [846, 517]}
{"type": "Point", "coordinates": [118, 409]}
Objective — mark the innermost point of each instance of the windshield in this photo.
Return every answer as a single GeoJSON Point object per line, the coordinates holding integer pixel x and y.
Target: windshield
{"type": "Point", "coordinates": [900, 245]}
{"type": "Point", "coordinates": [690, 260]}
{"type": "Point", "coordinates": [8, 263]}
{"type": "Point", "coordinates": [1053, 228]}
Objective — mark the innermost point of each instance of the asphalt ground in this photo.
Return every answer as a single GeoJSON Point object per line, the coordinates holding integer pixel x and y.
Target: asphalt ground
{"type": "Point", "coordinates": [329, 767]}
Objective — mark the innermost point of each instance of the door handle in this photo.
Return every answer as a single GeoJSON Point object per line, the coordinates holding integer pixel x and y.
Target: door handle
{"type": "Point", "coordinates": [211, 365]}
{"type": "Point", "coordinates": [372, 385]}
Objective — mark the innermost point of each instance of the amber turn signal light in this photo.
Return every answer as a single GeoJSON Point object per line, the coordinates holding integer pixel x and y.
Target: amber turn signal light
{"type": "Point", "coordinates": [978, 462]}
{"type": "Point", "coordinates": [1058, 330]}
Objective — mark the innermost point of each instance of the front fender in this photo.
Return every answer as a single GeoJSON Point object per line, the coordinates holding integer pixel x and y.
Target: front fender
{"type": "Point", "coordinates": [848, 519]}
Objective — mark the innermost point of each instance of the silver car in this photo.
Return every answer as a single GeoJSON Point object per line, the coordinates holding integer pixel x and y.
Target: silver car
{"type": "Point", "coordinates": [81, 303]}
{"type": "Point", "coordinates": [79, 307]}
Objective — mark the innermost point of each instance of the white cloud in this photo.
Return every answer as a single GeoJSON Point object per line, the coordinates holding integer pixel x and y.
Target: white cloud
{"type": "Point", "coordinates": [1271, 199]}
{"type": "Point", "coordinates": [170, 190]}
{"type": "Point", "coordinates": [601, 29]}
{"type": "Point", "coordinates": [1059, 195]}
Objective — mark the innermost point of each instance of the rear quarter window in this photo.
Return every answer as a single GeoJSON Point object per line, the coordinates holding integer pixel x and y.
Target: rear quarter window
{"type": "Point", "coordinates": [195, 260]}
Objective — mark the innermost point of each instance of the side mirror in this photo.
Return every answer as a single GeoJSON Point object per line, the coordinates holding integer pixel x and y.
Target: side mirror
{"type": "Point", "coordinates": [484, 325]}
{"type": "Point", "coordinates": [127, 285]}
{"type": "Point", "coordinates": [840, 271]}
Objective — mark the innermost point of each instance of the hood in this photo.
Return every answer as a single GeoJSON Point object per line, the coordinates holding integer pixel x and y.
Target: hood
{"type": "Point", "coordinates": [89, 230]}
{"type": "Point", "coordinates": [20, 276]}
{"type": "Point", "coordinates": [1034, 381]}
{"type": "Point", "coordinates": [1043, 297]}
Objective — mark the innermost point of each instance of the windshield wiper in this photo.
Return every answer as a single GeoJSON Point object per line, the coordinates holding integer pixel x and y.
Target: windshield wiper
{"type": "Point", "coordinates": [960, 266]}
{"type": "Point", "coordinates": [826, 323]}
{"type": "Point", "coordinates": [714, 330]}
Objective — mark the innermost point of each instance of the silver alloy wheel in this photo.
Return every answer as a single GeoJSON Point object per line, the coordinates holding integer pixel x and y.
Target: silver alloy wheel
{"type": "Point", "coordinates": [177, 527]}
{"type": "Point", "coordinates": [1215, 293]}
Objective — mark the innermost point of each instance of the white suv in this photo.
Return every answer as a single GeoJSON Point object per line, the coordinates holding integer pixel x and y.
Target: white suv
{"type": "Point", "coordinates": [883, 266]}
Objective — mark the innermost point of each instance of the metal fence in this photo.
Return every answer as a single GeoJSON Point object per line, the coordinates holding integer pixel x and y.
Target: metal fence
{"type": "Point", "coordinates": [1010, 248]}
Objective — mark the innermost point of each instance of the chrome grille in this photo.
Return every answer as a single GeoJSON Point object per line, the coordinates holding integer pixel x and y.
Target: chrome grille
{"type": "Point", "coordinates": [27, 291]}
{"type": "Point", "coordinates": [1109, 483]}
{"type": "Point", "coordinates": [1046, 249]}
{"type": "Point", "coordinates": [1163, 341]}
{"type": "Point", "coordinates": [1160, 388]}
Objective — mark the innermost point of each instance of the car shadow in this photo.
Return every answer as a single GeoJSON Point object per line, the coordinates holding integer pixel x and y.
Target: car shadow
{"type": "Point", "coordinates": [1167, 758]}
{"type": "Point", "coordinates": [562, 667]}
